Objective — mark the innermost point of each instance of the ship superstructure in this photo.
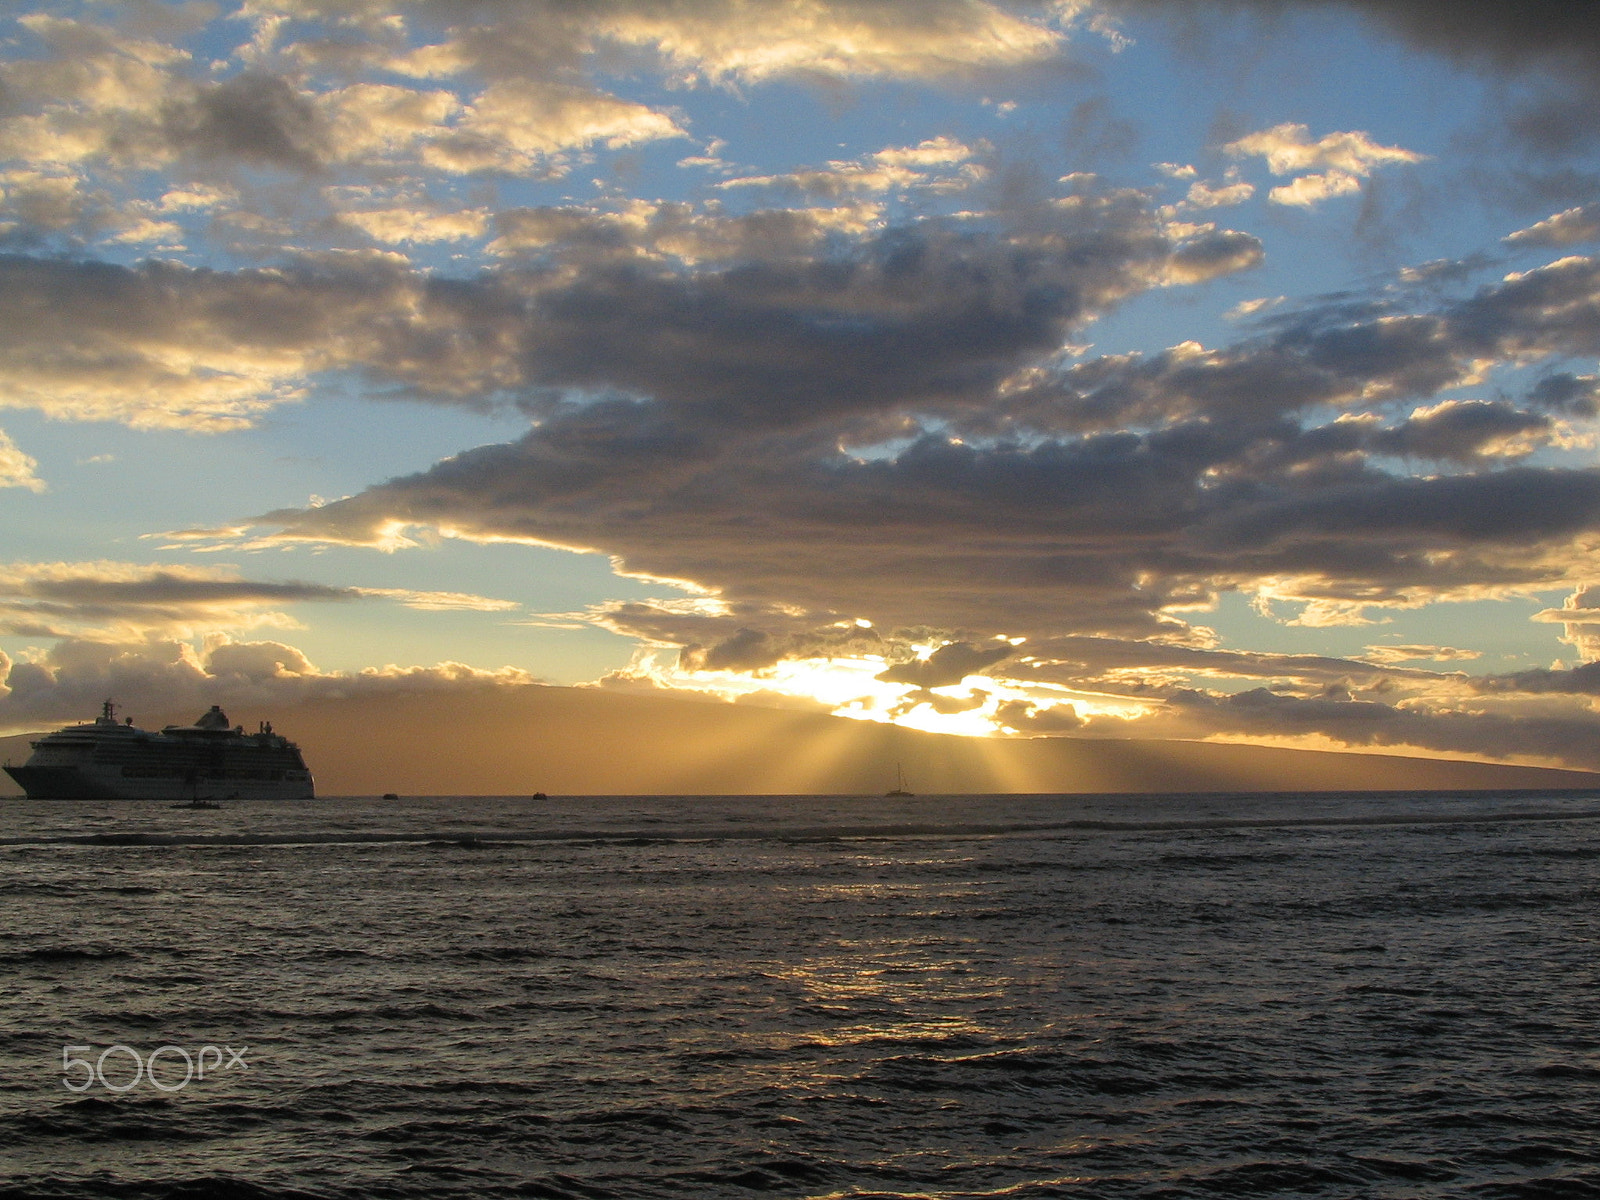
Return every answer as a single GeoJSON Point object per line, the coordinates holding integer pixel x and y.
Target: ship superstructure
{"type": "Point", "coordinates": [209, 760]}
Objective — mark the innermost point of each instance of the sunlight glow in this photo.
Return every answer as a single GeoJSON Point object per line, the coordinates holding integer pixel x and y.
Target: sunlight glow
{"type": "Point", "coordinates": [850, 687]}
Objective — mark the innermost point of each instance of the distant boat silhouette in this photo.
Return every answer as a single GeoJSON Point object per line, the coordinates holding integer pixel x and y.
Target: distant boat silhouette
{"type": "Point", "coordinates": [899, 788]}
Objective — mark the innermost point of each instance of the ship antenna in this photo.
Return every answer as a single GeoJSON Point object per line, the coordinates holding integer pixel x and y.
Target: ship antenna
{"type": "Point", "coordinates": [109, 711]}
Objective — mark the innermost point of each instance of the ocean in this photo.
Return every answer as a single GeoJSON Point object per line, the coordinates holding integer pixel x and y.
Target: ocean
{"type": "Point", "coordinates": [952, 996]}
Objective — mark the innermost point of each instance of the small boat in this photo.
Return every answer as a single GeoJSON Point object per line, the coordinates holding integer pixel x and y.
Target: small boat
{"type": "Point", "coordinates": [899, 788]}
{"type": "Point", "coordinates": [197, 804]}
{"type": "Point", "coordinates": [538, 796]}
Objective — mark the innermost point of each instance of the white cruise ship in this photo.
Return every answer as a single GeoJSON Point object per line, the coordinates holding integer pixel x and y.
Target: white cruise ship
{"type": "Point", "coordinates": [209, 760]}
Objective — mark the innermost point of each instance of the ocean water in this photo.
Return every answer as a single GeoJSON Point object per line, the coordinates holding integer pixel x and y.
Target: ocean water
{"type": "Point", "coordinates": [1362, 996]}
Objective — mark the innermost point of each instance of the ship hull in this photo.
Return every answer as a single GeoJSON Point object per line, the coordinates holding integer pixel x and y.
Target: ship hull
{"type": "Point", "coordinates": [74, 783]}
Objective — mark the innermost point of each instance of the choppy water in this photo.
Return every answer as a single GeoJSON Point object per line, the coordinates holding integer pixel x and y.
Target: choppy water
{"type": "Point", "coordinates": [946, 997]}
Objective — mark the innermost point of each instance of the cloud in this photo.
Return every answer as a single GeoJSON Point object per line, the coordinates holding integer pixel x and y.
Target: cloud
{"type": "Point", "coordinates": [1333, 165]}
{"type": "Point", "coordinates": [97, 99]}
{"type": "Point", "coordinates": [1311, 190]}
{"type": "Point", "coordinates": [1466, 432]}
{"type": "Point", "coordinates": [168, 635]}
{"type": "Point", "coordinates": [515, 127]}
{"type": "Point", "coordinates": [1548, 50]}
{"type": "Point", "coordinates": [1547, 33]}
{"type": "Point", "coordinates": [1030, 541]}
{"type": "Point", "coordinates": [256, 661]}
{"type": "Point", "coordinates": [1522, 37]}
{"type": "Point", "coordinates": [722, 41]}
{"type": "Point", "coordinates": [131, 602]}
{"type": "Point", "coordinates": [254, 118]}
{"type": "Point", "coordinates": [159, 345]}
{"type": "Point", "coordinates": [128, 601]}
{"type": "Point", "coordinates": [939, 164]}
{"type": "Point", "coordinates": [824, 314]}
{"type": "Point", "coordinates": [427, 601]}
{"type": "Point", "coordinates": [16, 468]}
{"type": "Point", "coordinates": [734, 637]}
{"type": "Point", "coordinates": [1580, 616]}
{"type": "Point", "coordinates": [90, 94]}
{"type": "Point", "coordinates": [1568, 739]}
{"type": "Point", "coordinates": [1144, 668]}
{"type": "Point", "coordinates": [874, 437]}
{"type": "Point", "coordinates": [368, 122]}
{"type": "Point", "coordinates": [1039, 720]}
{"type": "Point", "coordinates": [1289, 151]}
{"type": "Point", "coordinates": [1578, 395]}
{"type": "Point", "coordinates": [1451, 512]}
{"type": "Point", "coordinates": [837, 181]}
{"type": "Point", "coordinates": [399, 226]}
{"type": "Point", "coordinates": [1575, 225]}
{"type": "Point", "coordinates": [1386, 655]}
{"type": "Point", "coordinates": [518, 80]}
{"type": "Point", "coordinates": [941, 151]}
{"type": "Point", "coordinates": [1203, 195]}
{"type": "Point", "coordinates": [36, 203]}
{"type": "Point", "coordinates": [948, 665]}
{"type": "Point", "coordinates": [1354, 356]}
{"type": "Point", "coordinates": [1579, 681]}
{"type": "Point", "coordinates": [69, 682]}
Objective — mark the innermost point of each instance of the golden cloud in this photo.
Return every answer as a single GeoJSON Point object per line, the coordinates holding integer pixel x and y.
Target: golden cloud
{"type": "Point", "coordinates": [1288, 148]}
{"type": "Point", "coordinates": [16, 468]}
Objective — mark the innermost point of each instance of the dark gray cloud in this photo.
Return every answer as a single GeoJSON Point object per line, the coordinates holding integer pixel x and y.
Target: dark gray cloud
{"type": "Point", "coordinates": [1038, 720]}
{"type": "Point", "coordinates": [928, 313]}
{"type": "Point", "coordinates": [1551, 34]}
{"type": "Point", "coordinates": [1338, 353]}
{"type": "Point", "coordinates": [164, 587]}
{"type": "Point", "coordinates": [1095, 500]}
{"type": "Point", "coordinates": [1578, 395]}
{"type": "Point", "coordinates": [1098, 534]}
{"type": "Point", "coordinates": [948, 665]}
{"type": "Point", "coordinates": [1567, 228]}
{"type": "Point", "coordinates": [1412, 515]}
{"type": "Point", "coordinates": [131, 602]}
{"type": "Point", "coordinates": [1568, 738]}
{"type": "Point", "coordinates": [55, 600]}
{"type": "Point", "coordinates": [1528, 33]}
{"type": "Point", "coordinates": [253, 117]}
{"type": "Point", "coordinates": [1137, 668]}
{"type": "Point", "coordinates": [747, 649]}
{"type": "Point", "coordinates": [1582, 680]}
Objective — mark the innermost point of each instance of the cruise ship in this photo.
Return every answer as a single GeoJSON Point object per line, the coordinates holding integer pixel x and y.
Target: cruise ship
{"type": "Point", "coordinates": [209, 760]}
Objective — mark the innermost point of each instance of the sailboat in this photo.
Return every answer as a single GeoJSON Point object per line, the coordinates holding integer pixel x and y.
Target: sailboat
{"type": "Point", "coordinates": [899, 788]}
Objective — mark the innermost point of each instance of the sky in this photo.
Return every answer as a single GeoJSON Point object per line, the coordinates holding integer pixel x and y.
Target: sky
{"type": "Point", "coordinates": [1204, 369]}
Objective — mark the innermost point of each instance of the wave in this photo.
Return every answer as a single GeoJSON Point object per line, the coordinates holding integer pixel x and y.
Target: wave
{"type": "Point", "coordinates": [61, 954]}
{"type": "Point", "coordinates": [800, 835]}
